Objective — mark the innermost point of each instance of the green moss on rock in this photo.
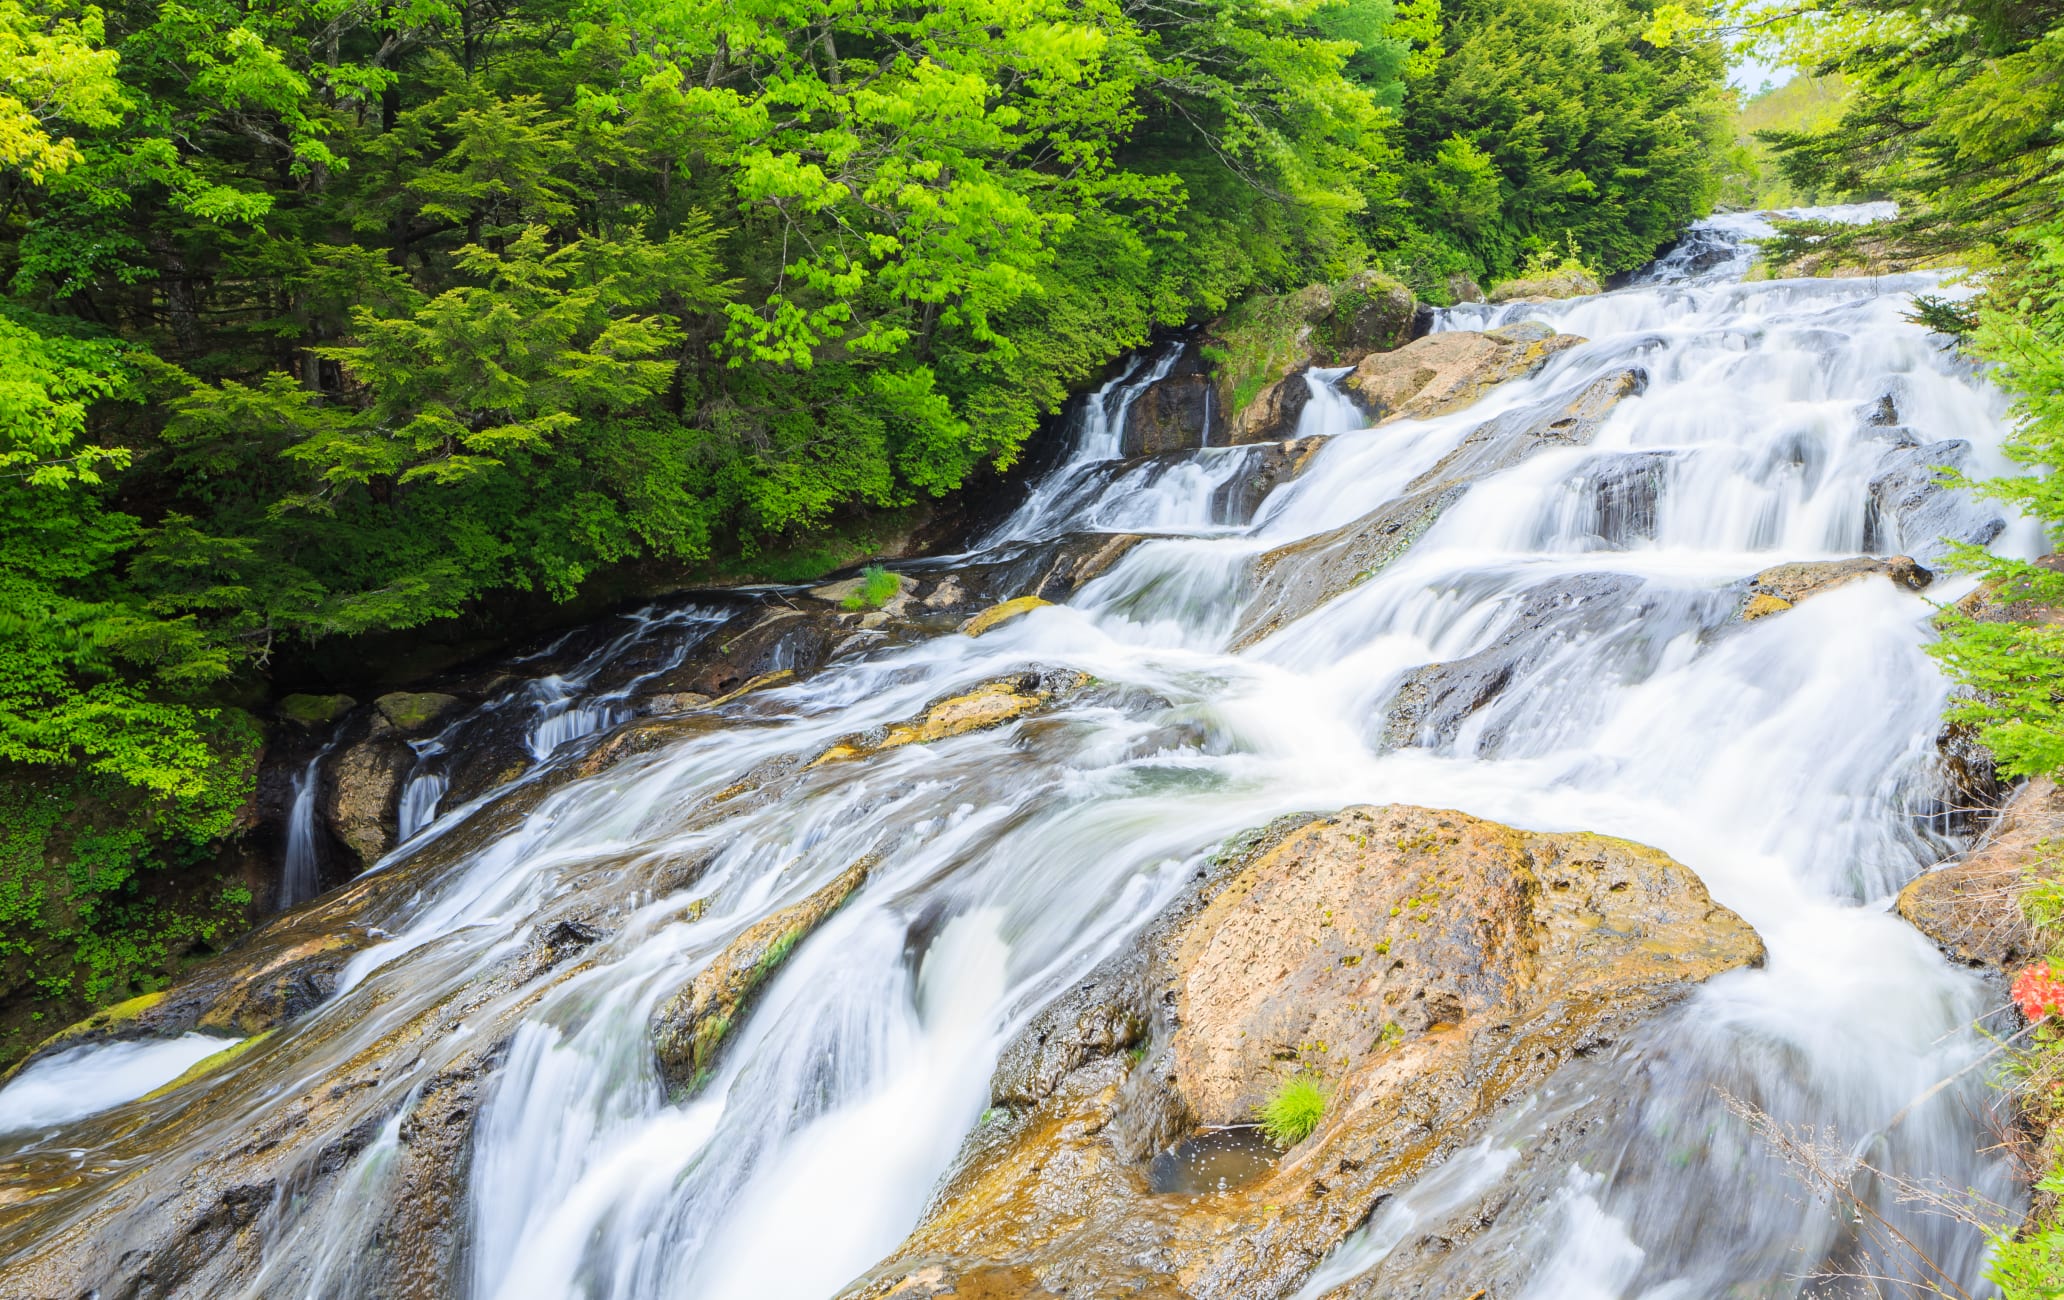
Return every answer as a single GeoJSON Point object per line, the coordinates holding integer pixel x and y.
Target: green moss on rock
{"type": "Point", "coordinates": [311, 711]}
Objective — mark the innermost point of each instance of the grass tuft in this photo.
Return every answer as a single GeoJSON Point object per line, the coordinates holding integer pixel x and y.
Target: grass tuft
{"type": "Point", "coordinates": [877, 587]}
{"type": "Point", "coordinates": [1289, 1116]}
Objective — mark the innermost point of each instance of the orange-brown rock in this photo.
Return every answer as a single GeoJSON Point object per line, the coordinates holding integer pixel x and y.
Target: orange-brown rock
{"type": "Point", "coordinates": [1422, 966]}
{"type": "Point", "coordinates": [1972, 908]}
{"type": "Point", "coordinates": [1781, 586]}
{"type": "Point", "coordinates": [1446, 372]}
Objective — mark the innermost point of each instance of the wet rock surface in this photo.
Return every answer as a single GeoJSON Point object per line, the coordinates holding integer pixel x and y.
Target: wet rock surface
{"type": "Point", "coordinates": [1274, 412]}
{"type": "Point", "coordinates": [1293, 579]}
{"type": "Point", "coordinates": [1447, 371]}
{"type": "Point", "coordinates": [1432, 703]}
{"type": "Point", "coordinates": [1420, 966]}
{"type": "Point", "coordinates": [1782, 586]}
{"type": "Point", "coordinates": [1176, 413]}
{"type": "Point", "coordinates": [689, 1029]}
{"type": "Point", "coordinates": [1912, 510]}
{"type": "Point", "coordinates": [361, 789]}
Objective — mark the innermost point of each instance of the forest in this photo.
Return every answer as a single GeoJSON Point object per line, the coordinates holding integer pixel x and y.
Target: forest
{"type": "Point", "coordinates": [328, 319]}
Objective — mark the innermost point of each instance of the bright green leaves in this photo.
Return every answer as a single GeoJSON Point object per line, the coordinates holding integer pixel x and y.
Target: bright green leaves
{"type": "Point", "coordinates": [55, 76]}
{"type": "Point", "coordinates": [486, 370]}
{"type": "Point", "coordinates": [901, 197]}
{"type": "Point", "coordinates": [47, 383]}
{"type": "Point", "coordinates": [2014, 668]}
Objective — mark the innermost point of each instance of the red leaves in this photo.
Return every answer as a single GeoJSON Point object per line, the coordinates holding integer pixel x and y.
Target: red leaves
{"type": "Point", "coordinates": [2038, 992]}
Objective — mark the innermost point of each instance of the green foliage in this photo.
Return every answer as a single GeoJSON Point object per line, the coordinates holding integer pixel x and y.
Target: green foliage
{"type": "Point", "coordinates": [2015, 667]}
{"type": "Point", "coordinates": [1551, 121]}
{"type": "Point", "coordinates": [877, 586]}
{"type": "Point", "coordinates": [1293, 1111]}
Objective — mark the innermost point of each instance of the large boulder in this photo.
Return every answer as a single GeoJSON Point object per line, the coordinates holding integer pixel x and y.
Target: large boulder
{"type": "Point", "coordinates": [1446, 372]}
{"type": "Point", "coordinates": [1972, 908]}
{"type": "Point", "coordinates": [1293, 579]}
{"type": "Point", "coordinates": [1417, 967]}
{"type": "Point", "coordinates": [360, 793]}
{"type": "Point", "coordinates": [1273, 414]}
{"type": "Point", "coordinates": [417, 713]}
{"type": "Point", "coordinates": [1371, 312]}
{"type": "Point", "coordinates": [1175, 412]}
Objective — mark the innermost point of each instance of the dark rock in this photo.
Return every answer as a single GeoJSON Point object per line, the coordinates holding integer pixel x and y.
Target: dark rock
{"type": "Point", "coordinates": [1917, 514]}
{"type": "Point", "coordinates": [1431, 705]}
{"type": "Point", "coordinates": [1173, 414]}
{"type": "Point", "coordinates": [1372, 312]}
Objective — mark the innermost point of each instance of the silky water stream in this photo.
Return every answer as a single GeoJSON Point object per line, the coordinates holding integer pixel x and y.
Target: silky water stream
{"type": "Point", "coordinates": [1791, 762]}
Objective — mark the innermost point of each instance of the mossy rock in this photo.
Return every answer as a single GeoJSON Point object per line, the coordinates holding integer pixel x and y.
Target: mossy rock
{"type": "Point", "coordinates": [208, 1065]}
{"type": "Point", "coordinates": [1564, 283]}
{"type": "Point", "coordinates": [104, 1023]}
{"type": "Point", "coordinates": [415, 711]}
{"type": "Point", "coordinates": [312, 711]}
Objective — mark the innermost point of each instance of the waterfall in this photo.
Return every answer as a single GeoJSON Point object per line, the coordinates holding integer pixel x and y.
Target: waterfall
{"type": "Point", "coordinates": [1582, 601]}
{"type": "Point", "coordinates": [301, 865]}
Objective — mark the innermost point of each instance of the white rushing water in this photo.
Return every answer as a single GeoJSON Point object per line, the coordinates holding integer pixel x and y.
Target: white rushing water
{"type": "Point", "coordinates": [1789, 761]}
{"type": "Point", "coordinates": [85, 1080]}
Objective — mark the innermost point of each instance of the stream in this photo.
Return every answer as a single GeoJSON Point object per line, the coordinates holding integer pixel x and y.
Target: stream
{"type": "Point", "coordinates": [1791, 762]}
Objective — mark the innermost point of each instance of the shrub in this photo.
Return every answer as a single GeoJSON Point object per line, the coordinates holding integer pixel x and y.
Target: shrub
{"type": "Point", "coordinates": [1289, 1116]}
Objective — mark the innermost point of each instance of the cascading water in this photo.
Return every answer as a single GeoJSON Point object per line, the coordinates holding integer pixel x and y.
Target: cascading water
{"type": "Point", "coordinates": [1789, 761]}
{"type": "Point", "coordinates": [301, 864]}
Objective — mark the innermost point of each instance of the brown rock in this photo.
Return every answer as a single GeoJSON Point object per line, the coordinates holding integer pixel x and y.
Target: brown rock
{"type": "Point", "coordinates": [1972, 909]}
{"type": "Point", "coordinates": [1782, 586]}
{"type": "Point", "coordinates": [690, 1029]}
{"type": "Point", "coordinates": [1274, 412]}
{"type": "Point", "coordinates": [1446, 372]}
{"type": "Point", "coordinates": [1420, 965]}
{"type": "Point", "coordinates": [989, 705]}
{"type": "Point", "coordinates": [361, 791]}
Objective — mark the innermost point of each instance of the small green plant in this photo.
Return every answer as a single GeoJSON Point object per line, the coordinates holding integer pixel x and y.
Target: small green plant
{"type": "Point", "coordinates": [877, 587]}
{"type": "Point", "coordinates": [1289, 1116]}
